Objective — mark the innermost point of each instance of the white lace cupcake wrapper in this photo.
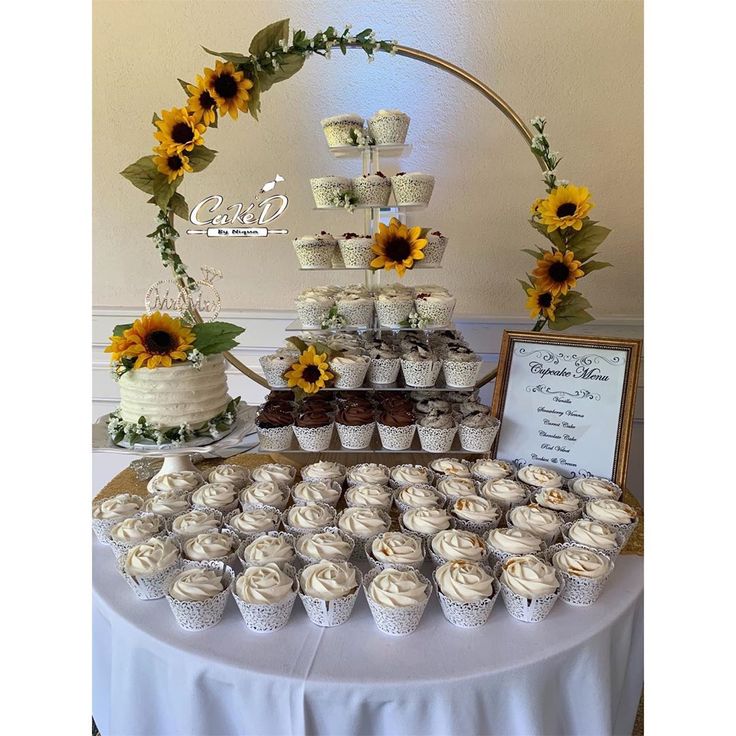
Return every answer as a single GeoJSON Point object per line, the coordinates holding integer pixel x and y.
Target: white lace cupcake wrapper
{"type": "Point", "coordinates": [275, 438]}
{"type": "Point", "coordinates": [338, 132]}
{"type": "Point", "coordinates": [311, 314]}
{"type": "Point", "coordinates": [388, 129]}
{"type": "Point", "coordinates": [312, 255]}
{"type": "Point", "coordinates": [623, 529]}
{"type": "Point", "coordinates": [421, 373]}
{"type": "Point", "coordinates": [314, 439]}
{"type": "Point", "coordinates": [101, 527]}
{"type": "Point", "coordinates": [396, 621]}
{"type": "Point", "coordinates": [408, 190]}
{"type": "Point", "coordinates": [548, 539]}
{"type": "Point", "coordinates": [393, 313]}
{"type": "Point", "coordinates": [287, 536]}
{"type": "Point", "coordinates": [263, 618]}
{"type": "Point", "coordinates": [371, 193]}
{"type": "Point", "coordinates": [400, 484]}
{"type": "Point", "coordinates": [435, 313]}
{"type": "Point", "coordinates": [274, 373]}
{"type": "Point", "coordinates": [120, 549]}
{"type": "Point", "coordinates": [223, 510]}
{"type": "Point", "coordinates": [529, 610]}
{"type": "Point", "coordinates": [435, 439]}
{"type": "Point", "coordinates": [150, 587]}
{"type": "Point", "coordinates": [355, 437]}
{"type": "Point", "coordinates": [477, 439]}
{"type": "Point", "coordinates": [306, 560]}
{"type": "Point", "coordinates": [433, 252]}
{"type": "Point", "coordinates": [384, 370]}
{"type": "Point", "coordinates": [396, 438]}
{"type": "Point", "coordinates": [468, 615]}
{"type": "Point", "coordinates": [497, 556]}
{"type": "Point", "coordinates": [481, 528]}
{"type": "Point", "coordinates": [350, 375]}
{"type": "Point", "coordinates": [325, 193]}
{"type": "Point", "coordinates": [611, 553]}
{"type": "Point", "coordinates": [461, 374]}
{"type": "Point", "coordinates": [578, 591]}
{"type": "Point", "coordinates": [331, 613]}
{"type": "Point", "coordinates": [356, 254]}
{"type": "Point", "coordinates": [200, 615]}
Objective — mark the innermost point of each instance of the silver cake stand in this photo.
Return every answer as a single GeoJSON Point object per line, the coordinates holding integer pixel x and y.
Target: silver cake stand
{"type": "Point", "coordinates": [178, 457]}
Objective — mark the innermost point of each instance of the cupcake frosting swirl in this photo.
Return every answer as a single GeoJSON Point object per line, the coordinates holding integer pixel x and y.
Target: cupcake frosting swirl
{"type": "Point", "coordinates": [535, 519]}
{"type": "Point", "coordinates": [215, 495]}
{"type": "Point", "coordinates": [594, 488]}
{"type": "Point", "coordinates": [514, 541]}
{"type": "Point", "coordinates": [610, 511]}
{"type": "Point", "coordinates": [457, 544]}
{"type": "Point", "coordinates": [397, 548]}
{"type": "Point", "coordinates": [454, 486]}
{"type": "Point", "coordinates": [135, 530]}
{"type": "Point", "coordinates": [122, 506]}
{"type": "Point", "coordinates": [254, 520]}
{"type": "Point", "coordinates": [370, 473]}
{"type": "Point", "coordinates": [362, 522]}
{"type": "Point", "coordinates": [419, 496]}
{"type": "Point", "coordinates": [448, 466]}
{"type": "Point", "coordinates": [316, 491]}
{"type": "Point", "coordinates": [539, 477]}
{"type": "Point", "coordinates": [464, 581]}
{"type": "Point", "coordinates": [329, 580]}
{"type": "Point", "coordinates": [194, 522]}
{"type": "Point", "coordinates": [268, 549]}
{"type": "Point", "coordinates": [492, 469]}
{"type": "Point", "coordinates": [196, 584]}
{"type": "Point", "coordinates": [366, 494]}
{"type": "Point", "coordinates": [529, 577]}
{"type": "Point", "coordinates": [557, 499]}
{"type": "Point", "coordinates": [266, 492]}
{"type": "Point", "coordinates": [310, 516]}
{"type": "Point", "coordinates": [408, 474]}
{"type": "Point", "coordinates": [583, 563]}
{"type": "Point", "coordinates": [592, 534]}
{"type": "Point", "coordinates": [167, 503]}
{"type": "Point", "coordinates": [324, 546]}
{"type": "Point", "coordinates": [208, 546]}
{"type": "Point", "coordinates": [235, 474]}
{"type": "Point", "coordinates": [324, 470]}
{"type": "Point", "coordinates": [283, 474]}
{"type": "Point", "coordinates": [427, 520]}
{"type": "Point", "coordinates": [504, 490]}
{"type": "Point", "coordinates": [398, 589]}
{"type": "Point", "coordinates": [476, 508]}
{"type": "Point", "coordinates": [151, 557]}
{"type": "Point", "coordinates": [182, 481]}
{"type": "Point", "coordinates": [263, 584]}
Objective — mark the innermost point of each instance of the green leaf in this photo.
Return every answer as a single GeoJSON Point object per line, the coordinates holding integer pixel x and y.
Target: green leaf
{"type": "Point", "coordinates": [524, 285]}
{"type": "Point", "coordinates": [200, 157]}
{"type": "Point", "coordinates": [423, 233]}
{"type": "Point", "coordinates": [254, 93]}
{"type": "Point", "coordinates": [155, 119]}
{"type": "Point", "coordinates": [320, 347]}
{"type": "Point", "coordinates": [143, 174]}
{"type": "Point", "coordinates": [298, 343]}
{"type": "Point", "coordinates": [179, 206]}
{"type": "Point", "coordinates": [119, 329]}
{"type": "Point", "coordinates": [290, 64]}
{"type": "Point", "coordinates": [268, 38]}
{"type": "Point", "coordinates": [534, 253]}
{"type": "Point", "coordinates": [229, 56]}
{"type": "Point", "coordinates": [562, 323]}
{"type": "Point", "coordinates": [163, 190]}
{"type": "Point", "coordinates": [594, 266]}
{"type": "Point", "coordinates": [215, 337]}
{"type": "Point", "coordinates": [571, 303]}
{"type": "Point", "coordinates": [184, 86]}
{"type": "Point", "coordinates": [585, 242]}
{"type": "Point", "coordinates": [554, 237]}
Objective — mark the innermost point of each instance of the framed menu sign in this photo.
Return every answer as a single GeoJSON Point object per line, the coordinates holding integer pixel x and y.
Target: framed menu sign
{"type": "Point", "coordinates": [566, 402]}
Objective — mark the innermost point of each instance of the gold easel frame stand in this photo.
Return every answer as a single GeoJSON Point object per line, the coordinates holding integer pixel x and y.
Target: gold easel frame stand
{"type": "Point", "coordinates": [492, 97]}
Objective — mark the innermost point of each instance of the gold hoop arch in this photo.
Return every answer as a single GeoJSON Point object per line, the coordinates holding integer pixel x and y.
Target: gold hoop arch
{"type": "Point", "coordinates": [469, 79]}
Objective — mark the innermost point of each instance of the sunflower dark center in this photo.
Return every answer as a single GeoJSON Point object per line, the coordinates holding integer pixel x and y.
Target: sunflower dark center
{"type": "Point", "coordinates": [397, 249]}
{"type": "Point", "coordinates": [559, 272]}
{"type": "Point", "coordinates": [159, 341]}
{"type": "Point", "coordinates": [206, 101]}
{"type": "Point", "coordinates": [311, 373]}
{"type": "Point", "coordinates": [568, 209]}
{"type": "Point", "coordinates": [226, 86]}
{"type": "Point", "coordinates": [545, 300]}
{"type": "Point", "coordinates": [174, 163]}
{"type": "Point", "coordinates": [181, 133]}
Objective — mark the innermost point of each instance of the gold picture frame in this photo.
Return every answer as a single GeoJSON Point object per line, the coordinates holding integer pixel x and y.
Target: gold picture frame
{"type": "Point", "coordinates": [556, 354]}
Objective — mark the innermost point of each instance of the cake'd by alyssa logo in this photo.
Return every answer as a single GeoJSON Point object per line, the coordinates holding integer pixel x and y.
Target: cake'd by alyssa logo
{"type": "Point", "coordinates": [237, 220]}
{"type": "Point", "coordinates": [167, 296]}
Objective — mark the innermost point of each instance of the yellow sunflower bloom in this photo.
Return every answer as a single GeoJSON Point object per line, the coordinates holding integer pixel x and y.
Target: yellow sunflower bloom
{"type": "Point", "coordinates": [178, 131]}
{"type": "Point", "coordinates": [557, 273]}
{"type": "Point", "coordinates": [541, 303]}
{"type": "Point", "coordinates": [173, 165]}
{"type": "Point", "coordinates": [229, 88]}
{"type": "Point", "coordinates": [534, 209]}
{"type": "Point", "coordinates": [397, 246]}
{"type": "Point", "coordinates": [153, 340]}
{"type": "Point", "coordinates": [310, 372]}
{"type": "Point", "coordinates": [565, 207]}
{"type": "Point", "coordinates": [202, 104]}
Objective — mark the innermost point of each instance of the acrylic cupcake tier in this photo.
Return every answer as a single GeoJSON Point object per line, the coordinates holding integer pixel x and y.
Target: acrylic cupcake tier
{"type": "Point", "coordinates": [386, 150]}
{"type": "Point", "coordinates": [297, 326]}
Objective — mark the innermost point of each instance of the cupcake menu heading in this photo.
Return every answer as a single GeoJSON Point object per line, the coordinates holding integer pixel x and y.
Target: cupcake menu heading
{"type": "Point", "coordinates": [566, 402]}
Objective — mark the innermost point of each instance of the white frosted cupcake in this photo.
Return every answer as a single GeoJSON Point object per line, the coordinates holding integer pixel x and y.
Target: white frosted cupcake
{"type": "Point", "coordinates": [457, 544]}
{"type": "Point", "coordinates": [198, 595]}
{"type": "Point", "coordinates": [467, 592]}
{"type": "Point", "coordinates": [253, 520]}
{"type": "Point", "coordinates": [182, 481]}
{"type": "Point", "coordinates": [313, 310]}
{"type": "Point", "coordinates": [616, 514]}
{"type": "Point", "coordinates": [584, 570]}
{"type": "Point", "coordinates": [566, 504]}
{"type": "Point", "coordinates": [194, 522]}
{"type": "Point", "coordinates": [505, 492]}
{"type": "Point", "coordinates": [414, 188]}
{"type": "Point", "coordinates": [592, 487]}
{"type": "Point", "coordinates": [393, 307]}
{"type": "Point", "coordinates": [395, 549]}
{"type": "Point", "coordinates": [511, 542]}
{"type": "Point", "coordinates": [477, 432]}
{"type": "Point", "coordinates": [538, 477]}
{"type": "Point", "coordinates": [222, 497]}
{"type": "Point", "coordinates": [350, 370]}
{"type": "Point", "coordinates": [340, 130]}
{"type": "Point", "coordinates": [265, 596]}
{"type": "Point", "coordinates": [213, 546]}
{"type": "Point", "coordinates": [436, 308]}
{"type": "Point", "coordinates": [488, 469]}
{"type": "Point", "coordinates": [436, 432]}
{"type": "Point", "coordinates": [356, 250]}
{"type": "Point", "coordinates": [316, 491]}
{"type": "Point", "coordinates": [325, 470]}
{"type": "Point", "coordinates": [407, 475]}
{"type": "Point", "coordinates": [418, 496]}
{"type": "Point", "coordinates": [127, 533]}
{"type": "Point", "coordinates": [545, 523]}
{"type": "Point", "coordinates": [594, 534]}
{"type": "Point", "coordinates": [168, 504]}
{"type": "Point", "coordinates": [425, 521]}
{"type": "Point", "coordinates": [236, 475]}
{"type": "Point", "coordinates": [371, 190]}
{"type": "Point", "coordinates": [457, 487]}
{"type": "Point", "coordinates": [369, 495]}
{"type": "Point", "coordinates": [109, 511]}
{"type": "Point", "coordinates": [274, 366]}
{"type": "Point", "coordinates": [368, 473]}
{"type": "Point", "coordinates": [397, 599]}
{"type": "Point", "coordinates": [475, 514]}
{"type": "Point", "coordinates": [529, 586]}
{"type": "Point", "coordinates": [362, 522]}
{"type": "Point", "coordinates": [450, 467]}
{"type": "Point", "coordinates": [434, 250]}
{"type": "Point", "coordinates": [329, 190]}
{"type": "Point", "coordinates": [389, 127]}
{"type": "Point", "coordinates": [148, 567]}
{"type": "Point", "coordinates": [283, 474]}
{"type": "Point", "coordinates": [330, 544]}
{"type": "Point", "coordinates": [314, 251]}
{"type": "Point", "coordinates": [269, 548]}
{"type": "Point", "coordinates": [328, 591]}
{"type": "Point", "coordinates": [308, 517]}
{"type": "Point", "coordinates": [265, 493]}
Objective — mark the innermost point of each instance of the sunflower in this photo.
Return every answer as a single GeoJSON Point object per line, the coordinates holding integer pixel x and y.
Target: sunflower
{"type": "Point", "coordinates": [534, 209]}
{"type": "Point", "coordinates": [173, 165]}
{"type": "Point", "coordinates": [541, 303]}
{"type": "Point", "coordinates": [397, 246]}
{"type": "Point", "coordinates": [153, 340]}
{"type": "Point", "coordinates": [229, 88]}
{"type": "Point", "coordinates": [565, 207]}
{"type": "Point", "coordinates": [310, 372]}
{"type": "Point", "coordinates": [557, 273]}
{"type": "Point", "coordinates": [202, 104]}
{"type": "Point", "coordinates": [178, 131]}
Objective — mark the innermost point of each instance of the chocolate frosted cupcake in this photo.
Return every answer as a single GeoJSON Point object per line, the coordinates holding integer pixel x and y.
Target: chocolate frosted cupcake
{"type": "Point", "coordinates": [313, 428]}
{"type": "Point", "coordinates": [274, 424]}
{"type": "Point", "coordinates": [396, 424]}
{"type": "Point", "coordinates": [355, 423]}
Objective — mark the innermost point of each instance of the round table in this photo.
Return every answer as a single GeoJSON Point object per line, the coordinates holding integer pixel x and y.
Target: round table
{"type": "Point", "coordinates": [578, 672]}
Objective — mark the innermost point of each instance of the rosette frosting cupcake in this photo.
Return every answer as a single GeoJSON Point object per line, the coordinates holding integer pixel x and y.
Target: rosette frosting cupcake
{"type": "Point", "coordinates": [538, 477]}
{"type": "Point", "coordinates": [109, 511]}
{"type": "Point", "coordinates": [167, 504]}
{"type": "Point", "coordinates": [265, 493]}
{"type": "Point", "coordinates": [327, 545]}
{"type": "Point", "coordinates": [283, 474]}
{"type": "Point", "coordinates": [534, 519]}
{"type": "Point", "coordinates": [236, 475]}
{"type": "Point", "coordinates": [591, 487]}
{"type": "Point", "coordinates": [585, 572]}
{"type": "Point", "coordinates": [361, 522]}
{"type": "Point", "coordinates": [253, 520]}
{"type": "Point", "coordinates": [397, 599]}
{"type": "Point", "coordinates": [197, 596]}
{"type": "Point", "coordinates": [182, 481]}
{"type": "Point", "coordinates": [418, 496]}
{"type": "Point", "coordinates": [328, 591]}
{"type": "Point", "coordinates": [449, 467]}
{"type": "Point", "coordinates": [308, 517]}
{"type": "Point", "coordinates": [475, 514]}
{"type": "Point", "coordinates": [222, 497]}
{"type": "Point", "coordinates": [265, 596]}
{"type": "Point", "coordinates": [426, 521]}
{"type": "Point", "coordinates": [457, 487]}
{"type": "Point", "coordinates": [369, 495]}
{"type": "Point", "coordinates": [316, 491]}
{"type": "Point", "coordinates": [466, 591]}
{"type": "Point", "coordinates": [529, 586]}
{"type": "Point", "coordinates": [407, 475]}
{"type": "Point", "coordinates": [391, 549]}
{"type": "Point", "coordinates": [220, 546]}
{"type": "Point", "coordinates": [567, 504]}
{"type": "Point", "coordinates": [148, 567]}
{"type": "Point", "coordinates": [457, 544]}
{"type": "Point", "coordinates": [129, 532]}
{"type": "Point", "coordinates": [269, 548]}
{"type": "Point", "coordinates": [484, 470]}
{"type": "Point", "coordinates": [512, 542]}
{"type": "Point", "coordinates": [194, 522]}
{"type": "Point", "coordinates": [373, 474]}
{"type": "Point", "coordinates": [593, 534]}
{"type": "Point", "coordinates": [616, 514]}
{"type": "Point", "coordinates": [505, 492]}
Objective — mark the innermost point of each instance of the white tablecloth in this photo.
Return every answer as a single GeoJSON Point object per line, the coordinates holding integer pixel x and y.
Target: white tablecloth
{"type": "Point", "coordinates": [578, 672]}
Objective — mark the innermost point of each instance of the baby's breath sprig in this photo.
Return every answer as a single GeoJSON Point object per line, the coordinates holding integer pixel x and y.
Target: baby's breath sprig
{"type": "Point", "coordinates": [540, 146]}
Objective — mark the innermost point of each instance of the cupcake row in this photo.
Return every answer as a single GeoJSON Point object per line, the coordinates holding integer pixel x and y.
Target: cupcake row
{"type": "Point", "coordinates": [391, 307]}
{"type": "Point", "coordinates": [356, 416]}
{"type": "Point", "coordinates": [385, 127]}
{"type": "Point", "coordinates": [324, 251]}
{"type": "Point", "coordinates": [409, 189]}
